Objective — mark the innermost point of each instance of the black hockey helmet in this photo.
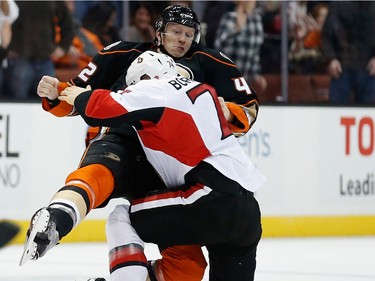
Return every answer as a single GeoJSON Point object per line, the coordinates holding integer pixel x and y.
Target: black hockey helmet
{"type": "Point", "coordinates": [182, 15]}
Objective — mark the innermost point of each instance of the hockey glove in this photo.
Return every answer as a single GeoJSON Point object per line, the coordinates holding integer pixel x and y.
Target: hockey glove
{"type": "Point", "coordinates": [70, 93]}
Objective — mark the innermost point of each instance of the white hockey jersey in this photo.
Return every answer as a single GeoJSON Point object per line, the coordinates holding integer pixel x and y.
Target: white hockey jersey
{"type": "Point", "coordinates": [179, 123]}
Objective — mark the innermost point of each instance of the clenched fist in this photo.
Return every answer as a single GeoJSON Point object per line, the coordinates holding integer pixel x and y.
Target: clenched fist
{"type": "Point", "coordinates": [47, 87]}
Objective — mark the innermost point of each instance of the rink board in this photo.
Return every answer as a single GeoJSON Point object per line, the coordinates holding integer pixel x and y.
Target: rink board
{"type": "Point", "coordinates": [319, 163]}
{"type": "Point", "coordinates": [323, 226]}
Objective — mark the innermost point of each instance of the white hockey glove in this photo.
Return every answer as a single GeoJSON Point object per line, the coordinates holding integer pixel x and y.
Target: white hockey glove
{"type": "Point", "coordinates": [70, 93]}
{"type": "Point", "coordinates": [47, 87]}
{"type": "Point", "coordinates": [227, 114]}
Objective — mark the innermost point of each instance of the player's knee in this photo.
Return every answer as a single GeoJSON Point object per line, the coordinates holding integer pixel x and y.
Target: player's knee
{"type": "Point", "coordinates": [195, 255]}
{"type": "Point", "coordinates": [93, 174]}
{"type": "Point", "coordinates": [120, 231]}
{"type": "Point", "coordinates": [97, 180]}
{"type": "Point", "coordinates": [119, 215]}
{"type": "Point", "coordinates": [184, 263]}
{"type": "Point", "coordinates": [126, 249]}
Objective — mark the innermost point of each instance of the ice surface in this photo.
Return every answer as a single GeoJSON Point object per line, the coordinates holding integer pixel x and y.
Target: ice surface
{"type": "Point", "coordinates": [286, 259]}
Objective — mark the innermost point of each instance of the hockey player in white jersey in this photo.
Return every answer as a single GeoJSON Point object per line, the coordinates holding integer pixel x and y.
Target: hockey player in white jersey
{"type": "Point", "coordinates": [210, 180]}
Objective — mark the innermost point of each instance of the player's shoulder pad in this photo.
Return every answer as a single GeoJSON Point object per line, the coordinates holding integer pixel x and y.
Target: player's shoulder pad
{"type": "Point", "coordinates": [127, 46]}
{"type": "Point", "coordinates": [219, 55]}
{"type": "Point", "coordinates": [211, 54]}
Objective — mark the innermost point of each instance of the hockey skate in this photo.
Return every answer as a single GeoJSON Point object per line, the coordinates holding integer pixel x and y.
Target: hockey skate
{"type": "Point", "coordinates": [41, 236]}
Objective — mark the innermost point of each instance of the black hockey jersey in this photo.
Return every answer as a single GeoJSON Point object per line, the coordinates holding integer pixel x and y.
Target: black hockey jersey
{"type": "Point", "coordinates": [108, 70]}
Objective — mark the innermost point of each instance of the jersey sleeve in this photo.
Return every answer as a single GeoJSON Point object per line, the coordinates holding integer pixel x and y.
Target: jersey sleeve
{"type": "Point", "coordinates": [65, 22]}
{"type": "Point", "coordinates": [131, 106]}
{"type": "Point", "coordinates": [229, 83]}
{"type": "Point", "coordinates": [106, 70]}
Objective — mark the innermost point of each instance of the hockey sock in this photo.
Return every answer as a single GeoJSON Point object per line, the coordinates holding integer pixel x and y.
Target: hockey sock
{"type": "Point", "coordinates": [126, 250]}
{"type": "Point", "coordinates": [64, 221]}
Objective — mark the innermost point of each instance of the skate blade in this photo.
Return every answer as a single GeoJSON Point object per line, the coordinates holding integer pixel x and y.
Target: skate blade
{"type": "Point", "coordinates": [30, 247]}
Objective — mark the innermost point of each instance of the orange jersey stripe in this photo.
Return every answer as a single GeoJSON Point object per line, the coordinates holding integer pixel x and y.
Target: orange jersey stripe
{"type": "Point", "coordinates": [212, 57]}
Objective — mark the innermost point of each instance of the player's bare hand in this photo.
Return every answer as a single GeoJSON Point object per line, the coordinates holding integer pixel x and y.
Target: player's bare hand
{"type": "Point", "coordinates": [70, 94]}
{"type": "Point", "coordinates": [47, 87]}
{"type": "Point", "coordinates": [227, 114]}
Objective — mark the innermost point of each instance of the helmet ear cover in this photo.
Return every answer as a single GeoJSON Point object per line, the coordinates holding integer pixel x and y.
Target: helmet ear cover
{"type": "Point", "coordinates": [150, 65]}
{"type": "Point", "coordinates": [181, 15]}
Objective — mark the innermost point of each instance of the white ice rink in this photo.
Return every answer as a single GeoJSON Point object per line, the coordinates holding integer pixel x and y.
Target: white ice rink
{"type": "Point", "coordinates": [297, 259]}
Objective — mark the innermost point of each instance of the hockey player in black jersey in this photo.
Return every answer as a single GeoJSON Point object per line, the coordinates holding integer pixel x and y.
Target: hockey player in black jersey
{"type": "Point", "coordinates": [177, 35]}
{"type": "Point", "coordinates": [210, 180]}
{"type": "Point", "coordinates": [114, 164]}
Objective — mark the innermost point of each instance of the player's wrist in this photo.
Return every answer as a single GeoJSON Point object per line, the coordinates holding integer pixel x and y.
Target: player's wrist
{"type": "Point", "coordinates": [52, 102]}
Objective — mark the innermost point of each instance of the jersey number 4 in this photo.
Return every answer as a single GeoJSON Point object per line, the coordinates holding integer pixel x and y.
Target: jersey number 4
{"type": "Point", "coordinates": [241, 85]}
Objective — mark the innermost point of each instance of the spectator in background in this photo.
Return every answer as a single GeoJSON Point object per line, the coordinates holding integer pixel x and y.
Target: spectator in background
{"type": "Point", "coordinates": [141, 27]}
{"type": "Point", "coordinates": [349, 45]}
{"type": "Point", "coordinates": [313, 38]}
{"type": "Point", "coordinates": [270, 52]}
{"type": "Point", "coordinates": [240, 36]}
{"type": "Point", "coordinates": [305, 54]}
{"type": "Point", "coordinates": [181, 3]}
{"type": "Point", "coordinates": [297, 15]}
{"type": "Point", "coordinates": [211, 17]}
{"type": "Point", "coordinates": [82, 6]}
{"type": "Point", "coordinates": [85, 45]}
{"type": "Point", "coordinates": [297, 11]}
{"type": "Point", "coordinates": [100, 19]}
{"type": "Point", "coordinates": [8, 14]}
{"type": "Point", "coordinates": [33, 48]}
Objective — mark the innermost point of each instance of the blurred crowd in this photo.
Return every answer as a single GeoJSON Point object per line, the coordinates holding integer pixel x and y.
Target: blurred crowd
{"type": "Point", "coordinates": [331, 38]}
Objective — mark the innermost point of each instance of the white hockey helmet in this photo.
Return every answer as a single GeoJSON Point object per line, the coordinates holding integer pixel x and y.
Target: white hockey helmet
{"type": "Point", "coordinates": [150, 65]}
